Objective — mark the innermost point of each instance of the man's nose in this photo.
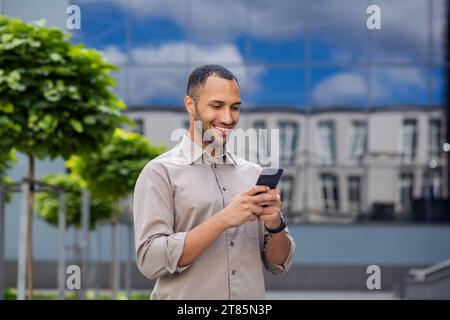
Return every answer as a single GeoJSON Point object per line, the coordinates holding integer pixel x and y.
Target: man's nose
{"type": "Point", "coordinates": [225, 117]}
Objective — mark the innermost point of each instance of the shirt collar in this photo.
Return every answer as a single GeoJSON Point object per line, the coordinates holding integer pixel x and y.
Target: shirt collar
{"type": "Point", "coordinates": [193, 153]}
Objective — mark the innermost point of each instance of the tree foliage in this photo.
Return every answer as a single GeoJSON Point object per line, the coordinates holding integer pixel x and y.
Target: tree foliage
{"type": "Point", "coordinates": [48, 203]}
{"type": "Point", "coordinates": [6, 160]}
{"type": "Point", "coordinates": [113, 170]}
{"type": "Point", "coordinates": [55, 97]}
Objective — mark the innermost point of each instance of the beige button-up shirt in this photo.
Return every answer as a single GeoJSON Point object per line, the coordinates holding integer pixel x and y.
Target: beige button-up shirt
{"type": "Point", "coordinates": [174, 193]}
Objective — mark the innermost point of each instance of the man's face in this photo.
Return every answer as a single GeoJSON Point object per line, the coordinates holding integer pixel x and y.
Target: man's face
{"type": "Point", "coordinates": [218, 108]}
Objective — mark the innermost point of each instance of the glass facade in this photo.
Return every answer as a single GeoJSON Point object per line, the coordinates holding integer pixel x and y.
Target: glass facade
{"type": "Point", "coordinates": [358, 140]}
{"type": "Point", "coordinates": [304, 54]}
{"type": "Point", "coordinates": [327, 142]}
{"type": "Point", "coordinates": [288, 141]}
{"type": "Point", "coordinates": [367, 103]}
{"type": "Point", "coordinates": [330, 192]}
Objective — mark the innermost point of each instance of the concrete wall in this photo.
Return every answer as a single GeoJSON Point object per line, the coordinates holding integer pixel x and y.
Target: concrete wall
{"type": "Point", "coordinates": [333, 257]}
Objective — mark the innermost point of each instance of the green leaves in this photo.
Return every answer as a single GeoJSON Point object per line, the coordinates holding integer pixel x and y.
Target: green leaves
{"type": "Point", "coordinates": [7, 157]}
{"type": "Point", "coordinates": [47, 203]}
{"type": "Point", "coordinates": [13, 81]}
{"type": "Point", "coordinates": [56, 57]}
{"type": "Point", "coordinates": [6, 107]}
{"type": "Point", "coordinates": [76, 125]}
{"type": "Point", "coordinates": [56, 98]}
{"type": "Point", "coordinates": [7, 37]}
{"type": "Point", "coordinates": [113, 170]}
{"type": "Point", "coordinates": [89, 120]}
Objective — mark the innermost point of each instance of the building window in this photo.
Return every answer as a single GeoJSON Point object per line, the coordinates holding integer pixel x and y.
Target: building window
{"type": "Point", "coordinates": [358, 138]}
{"type": "Point", "coordinates": [261, 147]}
{"type": "Point", "coordinates": [406, 190]}
{"type": "Point", "coordinates": [288, 141]}
{"type": "Point", "coordinates": [330, 192]}
{"type": "Point", "coordinates": [434, 138]}
{"type": "Point", "coordinates": [327, 142]}
{"type": "Point", "coordinates": [139, 128]}
{"type": "Point", "coordinates": [286, 187]}
{"type": "Point", "coordinates": [409, 143]}
{"type": "Point", "coordinates": [354, 193]}
{"type": "Point", "coordinates": [432, 187]}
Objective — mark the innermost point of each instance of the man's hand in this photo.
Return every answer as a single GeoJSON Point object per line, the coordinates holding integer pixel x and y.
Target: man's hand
{"type": "Point", "coordinates": [246, 206]}
{"type": "Point", "coordinates": [271, 210]}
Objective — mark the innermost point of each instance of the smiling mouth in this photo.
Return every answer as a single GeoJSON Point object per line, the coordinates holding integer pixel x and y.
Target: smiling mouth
{"type": "Point", "coordinates": [222, 129]}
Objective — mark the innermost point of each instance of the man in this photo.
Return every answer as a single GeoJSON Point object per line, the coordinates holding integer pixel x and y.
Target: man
{"type": "Point", "coordinates": [202, 227]}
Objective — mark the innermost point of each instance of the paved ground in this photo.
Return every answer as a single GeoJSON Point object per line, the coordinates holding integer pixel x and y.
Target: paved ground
{"type": "Point", "coordinates": [330, 295]}
{"type": "Point", "coordinates": [270, 295]}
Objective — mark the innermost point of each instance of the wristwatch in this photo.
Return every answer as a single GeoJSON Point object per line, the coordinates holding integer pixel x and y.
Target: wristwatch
{"type": "Point", "coordinates": [279, 229]}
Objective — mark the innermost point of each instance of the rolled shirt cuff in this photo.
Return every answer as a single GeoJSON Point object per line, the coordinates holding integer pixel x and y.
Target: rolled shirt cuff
{"type": "Point", "coordinates": [174, 251]}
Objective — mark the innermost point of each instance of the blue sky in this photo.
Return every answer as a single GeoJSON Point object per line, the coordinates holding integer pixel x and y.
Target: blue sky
{"type": "Point", "coordinates": [287, 53]}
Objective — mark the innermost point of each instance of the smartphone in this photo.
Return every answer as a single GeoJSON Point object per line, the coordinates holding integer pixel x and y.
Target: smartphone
{"type": "Point", "coordinates": [269, 177]}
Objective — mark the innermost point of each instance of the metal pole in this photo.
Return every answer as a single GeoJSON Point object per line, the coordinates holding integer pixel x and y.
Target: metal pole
{"type": "Point", "coordinates": [97, 255]}
{"type": "Point", "coordinates": [129, 259]}
{"type": "Point", "coordinates": [23, 246]}
{"type": "Point", "coordinates": [116, 264]}
{"type": "Point", "coordinates": [62, 245]}
{"type": "Point", "coordinates": [2, 241]}
{"type": "Point", "coordinates": [85, 204]}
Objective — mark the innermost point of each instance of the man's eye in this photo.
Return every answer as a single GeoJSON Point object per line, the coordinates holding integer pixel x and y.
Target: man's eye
{"type": "Point", "coordinates": [236, 108]}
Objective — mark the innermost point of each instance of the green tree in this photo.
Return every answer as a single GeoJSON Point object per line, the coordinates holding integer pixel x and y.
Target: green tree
{"type": "Point", "coordinates": [55, 99]}
{"type": "Point", "coordinates": [47, 203]}
{"type": "Point", "coordinates": [6, 160]}
{"type": "Point", "coordinates": [113, 171]}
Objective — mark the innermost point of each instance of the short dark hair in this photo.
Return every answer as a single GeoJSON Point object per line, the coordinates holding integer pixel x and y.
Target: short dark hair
{"type": "Point", "coordinates": [199, 75]}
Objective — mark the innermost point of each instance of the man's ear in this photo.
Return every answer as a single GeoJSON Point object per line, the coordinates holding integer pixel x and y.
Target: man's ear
{"type": "Point", "coordinates": [189, 104]}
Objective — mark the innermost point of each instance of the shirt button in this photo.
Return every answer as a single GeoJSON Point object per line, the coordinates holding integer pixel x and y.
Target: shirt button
{"type": "Point", "coordinates": [233, 272]}
{"type": "Point", "coordinates": [223, 188]}
{"type": "Point", "coordinates": [231, 243]}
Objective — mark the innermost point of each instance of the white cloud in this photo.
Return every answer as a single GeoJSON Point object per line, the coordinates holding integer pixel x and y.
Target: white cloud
{"type": "Point", "coordinates": [341, 23]}
{"type": "Point", "coordinates": [400, 80]}
{"type": "Point", "coordinates": [148, 79]}
{"type": "Point", "coordinates": [114, 55]}
{"type": "Point", "coordinates": [345, 87]}
{"type": "Point", "coordinates": [339, 88]}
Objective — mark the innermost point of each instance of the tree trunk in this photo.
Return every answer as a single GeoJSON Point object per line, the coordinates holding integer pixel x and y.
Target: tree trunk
{"type": "Point", "coordinates": [30, 227]}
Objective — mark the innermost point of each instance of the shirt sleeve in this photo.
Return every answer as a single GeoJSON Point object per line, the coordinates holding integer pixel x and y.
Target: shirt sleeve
{"type": "Point", "coordinates": [275, 268]}
{"type": "Point", "coordinates": [158, 247]}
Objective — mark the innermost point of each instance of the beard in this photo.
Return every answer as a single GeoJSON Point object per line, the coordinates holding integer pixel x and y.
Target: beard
{"type": "Point", "coordinates": [207, 132]}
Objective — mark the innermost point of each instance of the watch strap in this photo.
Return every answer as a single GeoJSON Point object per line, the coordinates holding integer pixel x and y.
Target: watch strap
{"type": "Point", "coordinates": [279, 229]}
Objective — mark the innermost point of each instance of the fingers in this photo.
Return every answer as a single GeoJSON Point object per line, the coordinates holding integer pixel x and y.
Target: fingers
{"type": "Point", "coordinates": [255, 209]}
{"type": "Point", "coordinates": [274, 191]}
{"type": "Point", "coordinates": [267, 218]}
{"type": "Point", "coordinates": [265, 197]}
{"type": "Point", "coordinates": [256, 189]}
{"type": "Point", "coordinates": [267, 203]}
{"type": "Point", "coordinates": [267, 211]}
{"type": "Point", "coordinates": [269, 214]}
